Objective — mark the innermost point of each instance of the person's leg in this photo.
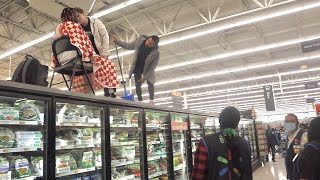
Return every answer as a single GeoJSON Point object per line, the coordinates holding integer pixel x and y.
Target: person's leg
{"type": "Point", "coordinates": [273, 153]}
{"type": "Point", "coordinates": [151, 90]}
{"type": "Point", "coordinates": [137, 77]}
{"type": "Point", "coordinates": [267, 156]}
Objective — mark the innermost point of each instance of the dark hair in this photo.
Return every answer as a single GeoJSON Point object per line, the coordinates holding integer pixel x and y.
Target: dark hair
{"type": "Point", "coordinates": [79, 10]}
{"type": "Point", "coordinates": [314, 129]}
{"type": "Point", "coordinates": [155, 39]}
{"type": "Point", "coordinates": [296, 117]}
{"type": "Point", "coordinates": [67, 14]}
{"type": "Point", "coordinates": [229, 118]}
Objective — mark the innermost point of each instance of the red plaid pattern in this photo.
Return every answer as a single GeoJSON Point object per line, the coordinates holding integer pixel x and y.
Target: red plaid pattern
{"type": "Point", "coordinates": [200, 170]}
{"type": "Point", "coordinates": [104, 73]}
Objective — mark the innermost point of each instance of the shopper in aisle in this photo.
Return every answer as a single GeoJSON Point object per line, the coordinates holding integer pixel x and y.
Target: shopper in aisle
{"type": "Point", "coordinates": [223, 155]}
{"type": "Point", "coordinates": [145, 60]}
{"type": "Point", "coordinates": [98, 35]}
{"type": "Point", "coordinates": [104, 73]}
{"type": "Point", "coordinates": [297, 138]}
{"type": "Point", "coordinates": [308, 162]}
{"type": "Point", "coordinates": [272, 141]}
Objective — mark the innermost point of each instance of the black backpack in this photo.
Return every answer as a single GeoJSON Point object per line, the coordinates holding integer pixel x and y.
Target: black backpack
{"type": "Point", "coordinates": [31, 71]}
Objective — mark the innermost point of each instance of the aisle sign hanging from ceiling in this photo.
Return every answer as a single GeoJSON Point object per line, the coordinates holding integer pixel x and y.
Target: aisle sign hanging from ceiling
{"type": "Point", "coordinates": [269, 98]}
{"type": "Point", "coordinates": [177, 100]}
{"type": "Point", "coordinates": [309, 46]}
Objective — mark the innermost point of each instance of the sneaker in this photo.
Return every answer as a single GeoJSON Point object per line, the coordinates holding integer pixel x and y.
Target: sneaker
{"type": "Point", "coordinates": [273, 160]}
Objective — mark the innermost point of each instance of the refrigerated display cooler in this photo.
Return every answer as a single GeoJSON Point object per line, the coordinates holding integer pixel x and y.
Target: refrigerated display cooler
{"type": "Point", "coordinates": [50, 134]}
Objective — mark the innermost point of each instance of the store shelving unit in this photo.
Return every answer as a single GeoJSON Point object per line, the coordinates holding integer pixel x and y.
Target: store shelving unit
{"type": "Point", "coordinates": [81, 136]}
{"type": "Point", "coordinates": [22, 135]}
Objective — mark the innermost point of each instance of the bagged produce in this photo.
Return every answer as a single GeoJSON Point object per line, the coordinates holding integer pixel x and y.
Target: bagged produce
{"type": "Point", "coordinates": [5, 173]}
{"type": "Point", "coordinates": [37, 165]}
{"type": "Point", "coordinates": [6, 138]}
{"type": "Point", "coordinates": [9, 113]}
{"type": "Point", "coordinates": [29, 112]}
{"type": "Point", "coordinates": [65, 163]}
{"type": "Point", "coordinates": [80, 114]}
{"type": "Point", "coordinates": [19, 167]}
{"type": "Point", "coordinates": [97, 157]}
{"type": "Point", "coordinates": [83, 159]}
{"type": "Point", "coordinates": [97, 136]}
{"type": "Point", "coordinates": [128, 152]}
{"type": "Point", "coordinates": [67, 113]}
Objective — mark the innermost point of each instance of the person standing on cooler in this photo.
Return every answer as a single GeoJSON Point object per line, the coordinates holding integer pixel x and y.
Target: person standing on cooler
{"type": "Point", "coordinates": [297, 138]}
{"type": "Point", "coordinates": [145, 60]}
{"type": "Point", "coordinates": [98, 35]}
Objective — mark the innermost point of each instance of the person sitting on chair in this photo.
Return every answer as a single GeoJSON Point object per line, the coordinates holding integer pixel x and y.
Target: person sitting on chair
{"type": "Point", "coordinates": [104, 73]}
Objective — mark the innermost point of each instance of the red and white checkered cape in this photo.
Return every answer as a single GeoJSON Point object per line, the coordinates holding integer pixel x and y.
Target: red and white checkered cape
{"type": "Point", "coordinates": [104, 73]}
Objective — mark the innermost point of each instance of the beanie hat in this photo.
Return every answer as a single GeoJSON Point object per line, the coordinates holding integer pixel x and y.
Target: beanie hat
{"type": "Point", "coordinates": [229, 118]}
{"type": "Point", "coordinates": [155, 39]}
{"type": "Point", "coordinates": [314, 129]}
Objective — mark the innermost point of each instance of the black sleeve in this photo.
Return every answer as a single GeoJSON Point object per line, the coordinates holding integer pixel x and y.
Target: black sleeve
{"type": "Point", "coordinates": [246, 173]}
{"type": "Point", "coordinates": [308, 163]}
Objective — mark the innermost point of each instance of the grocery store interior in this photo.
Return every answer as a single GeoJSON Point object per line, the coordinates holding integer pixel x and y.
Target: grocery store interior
{"type": "Point", "coordinates": [259, 56]}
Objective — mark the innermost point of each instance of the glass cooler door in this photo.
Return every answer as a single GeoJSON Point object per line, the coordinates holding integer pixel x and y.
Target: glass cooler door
{"type": "Point", "coordinates": [78, 141]}
{"type": "Point", "coordinates": [196, 128]}
{"type": "Point", "coordinates": [22, 134]}
{"type": "Point", "coordinates": [157, 133]}
{"type": "Point", "coordinates": [179, 128]}
{"type": "Point", "coordinates": [126, 143]}
{"type": "Point", "coordinates": [209, 127]}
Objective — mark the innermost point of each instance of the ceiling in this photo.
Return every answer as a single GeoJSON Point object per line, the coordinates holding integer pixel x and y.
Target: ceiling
{"type": "Point", "coordinates": [218, 52]}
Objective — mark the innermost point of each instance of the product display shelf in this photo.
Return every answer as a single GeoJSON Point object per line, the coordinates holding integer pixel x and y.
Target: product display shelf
{"type": "Point", "coordinates": [179, 123]}
{"type": "Point", "coordinates": [158, 142]}
{"type": "Point", "coordinates": [21, 137]}
{"type": "Point", "coordinates": [126, 146]}
{"type": "Point", "coordinates": [262, 141]}
{"type": "Point", "coordinates": [247, 131]}
{"type": "Point", "coordinates": [78, 140]}
{"type": "Point", "coordinates": [78, 124]}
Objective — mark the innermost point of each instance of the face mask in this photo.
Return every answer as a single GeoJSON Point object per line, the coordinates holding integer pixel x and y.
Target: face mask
{"type": "Point", "coordinates": [290, 126]}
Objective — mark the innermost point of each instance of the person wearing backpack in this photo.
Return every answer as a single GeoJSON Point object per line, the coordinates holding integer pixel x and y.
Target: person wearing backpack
{"type": "Point", "coordinates": [308, 162]}
{"type": "Point", "coordinates": [223, 155]}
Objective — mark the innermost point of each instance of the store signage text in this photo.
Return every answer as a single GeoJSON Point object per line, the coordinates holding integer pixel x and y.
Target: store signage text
{"type": "Point", "coordinates": [177, 126]}
{"type": "Point", "coordinates": [269, 98]}
{"type": "Point", "coordinates": [310, 46]}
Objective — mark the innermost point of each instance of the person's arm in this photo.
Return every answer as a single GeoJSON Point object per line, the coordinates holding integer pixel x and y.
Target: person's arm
{"type": "Point", "coordinates": [130, 45]}
{"type": "Point", "coordinates": [57, 34]}
{"type": "Point", "coordinates": [304, 140]}
{"type": "Point", "coordinates": [104, 37]}
{"type": "Point", "coordinates": [199, 171]}
{"type": "Point", "coordinates": [308, 162]}
{"type": "Point", "coordinates": [152, 66]}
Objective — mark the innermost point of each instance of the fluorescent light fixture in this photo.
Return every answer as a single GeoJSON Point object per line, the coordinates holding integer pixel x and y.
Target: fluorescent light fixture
{"type": "Point", "coordinates": [26, 45]}
{"type": "Point", "coordinates": [115, 8]}
{"type": "Point", "coordinates": [238, 81]}
{"type": "Point", "coordinates": [121, 54]}
{"type": "Point", "coordinates": [250, 20]}
{"type": "Point", "coordinates": [307, 57]}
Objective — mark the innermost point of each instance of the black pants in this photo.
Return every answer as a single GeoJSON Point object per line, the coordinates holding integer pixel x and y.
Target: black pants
{"type": "Point", "coordinates": [273, 149]}
{"type": "Point", "coordinates": [137, 77]}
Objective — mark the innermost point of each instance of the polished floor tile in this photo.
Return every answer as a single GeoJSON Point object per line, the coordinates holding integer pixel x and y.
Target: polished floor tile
{"type": "Point", "coordinates": [271, 171]}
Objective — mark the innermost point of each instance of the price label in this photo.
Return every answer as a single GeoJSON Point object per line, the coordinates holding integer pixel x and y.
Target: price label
{"type": "Point", "coordinates": [5, 150]}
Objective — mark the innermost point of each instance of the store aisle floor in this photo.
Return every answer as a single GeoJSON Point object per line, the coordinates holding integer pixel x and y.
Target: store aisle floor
{"type": "Point", "coordinates": [271, 171]}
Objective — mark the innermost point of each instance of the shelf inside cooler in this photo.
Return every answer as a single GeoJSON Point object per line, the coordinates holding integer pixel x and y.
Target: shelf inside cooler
{"type": "Point", "coordinates": [73, 172]}
{"type": "Point", "coordinates": [130, 177]}
{"type": "Point", "coordinates": [124, 144]}
{"type": "Point", "coordinates": [27, 178]}
{"type": "Point", "coordinates": [12, 150]}
{"type": "Point", "coordinates": [80, 146]}
{"type": "Point", "coordinates": [178, 168]}
{"type": "Point", "coordinates": [125, 163]}
{"type": "Point", "coordinates": [18, 122]}
{"type": "Point", "coordinates": [156, 157]}
{"type": "Point", "coordinates": [195, 139]}
{"type": "Point", "coordinates": [78, 124]}
{"type": "Point", "coordinates": [124, 125]}
{"type": "Point", "coordinates": [157, 174]}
